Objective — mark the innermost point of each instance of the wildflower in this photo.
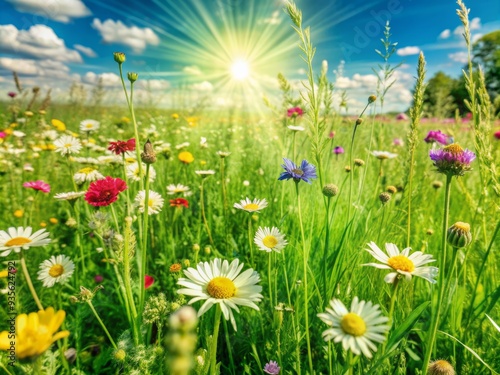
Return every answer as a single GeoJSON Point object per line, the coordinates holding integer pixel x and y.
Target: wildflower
{"type": "Point", "coordinates": [12, 94]}
{"type": "Point", "coordinates": [270, 239]}
{"type": "Point", "coordinates": [132, 77]}
{"type": "Point", "coordinates": [436, 136]}
{"type": "Point", "coordinates": [38, 185]}
{"type": "Point", "coordinates": [203, 142]}
{"type": "Point", "coordinates": [384, 197]}
{"type": "Point", "coordinates": [331, 135]}
{"type": "Point", "coordinates": [57, 269]}
{"type": "Point", "coordinates": [338, 150]}
{"type": "Point", "coordinates": [121, 147]}
{"type": "Point", "coordinates": [357, 329]}
{"type": "Point", "coordinates": [155, 202]}
{"type": "Point", "coordinates": [359, 162]}
{"type": "Point", "coordinates": [119, 57]}
{"type": "Point", "coordinates": [53, 220]}
{"type": "Point", "coordinates": [382, 155]}
{"type": "Point", "coordinates": [58, 124]}
{"type": "Point", "coordinates": [330, 190]}
{"type": "Point", "coordinates": [87, 175]}
{"type": "Point", "coordinates": [178, 189]}
{"type": "Point", "coordinates": [497, 134]}
{"type": "Point", "coordinates": [371, 99]}
{"type": "Point", "coordinates": [219, 282]}
{"type": "Point", "coordinates": [452, 160]}
{"type": "Point", "coordinates": [272, 368]}
{"type": "Point", "coordinates": [133, 172]}
{"type": "Point", "coordinates": [148, 281]}
{"type": "Point", "coordinates": [67, 145]}
{"type": "Point", "coordinates": [440, 367]}
{"type": "Point", "coordinates": [305, 172]}
{"type": "Point", "coordinates": [251, 206]}
{"type": "Point", "coordinates": [223, 154]}
{"type": "Point", "coordinates": [69, 196]}
{"type": "Point", "coordinates": [402, 263]}
{"type": "Point", "coordinates": [175, 268]}
{"type": "Point", "coordinates": [89, 125]}
{"type": "Point", "coordinates": [98, 279]}
{"type": "Point", "coordinates": [104, 192]}
{"type": "Point", "coordinates": [398, 142]}
{"type": "Point", "coordinates": [179, 202]}
{"type": "Point", "coordinates": [21, 238]}
{"type": "Point", "coordinates": [186, 157]}
{"type": "Point", "coordinates": [294, 112]}
{"type": "Point", "coordinates": [175, 116]}
{"type": "Point", "coordinates": [459, 235]}
{"type": "Point", "coordinates": [296, 128]}
{"type": "Point", "coordinates": [18, 213]}
{"type": "Point", "coordinates": [392, 189]}
{"type": "Point", "coordinates": [35, 333]}
{"type": "Point", "coordinates": [437, 184]}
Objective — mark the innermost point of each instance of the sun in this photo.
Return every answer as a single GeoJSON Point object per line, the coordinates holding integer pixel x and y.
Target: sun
{"type": "Point", "coordinates": [240, 70]}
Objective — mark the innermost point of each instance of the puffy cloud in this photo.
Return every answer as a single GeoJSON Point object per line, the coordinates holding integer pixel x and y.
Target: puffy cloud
{"type": "Point", "coordinates": [445, 34]}
{"type": "Point", "coordinates": [87, 51]}
{"type": "Point", "coordinates": [117, 32]}
{"type": "Point", "coordinates": [153, 84]}
{"type": "Point", "coordinates": [108, 79]}
{"type": "Point", "coordinates": [57, 10]}
{"type": "Point", "coordinates": [48, 68]}
{"type": "Point", "coordinates": [474, 24]}
{"type": "Point", "coordinates": [38, 41]}
{"type": "Point", "coordinates": [368, 81]}
{"type": "Point", "coordinates": [193, 70]}
{"type": "Point", "coordinates": [460, 57]}
{"type": "Point", "coordinates": [202, 86]}
{"type": "Point", "coordinates": [407, 51]}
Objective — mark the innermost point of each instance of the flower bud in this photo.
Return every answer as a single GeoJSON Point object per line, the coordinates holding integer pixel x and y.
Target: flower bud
{"type": "Point", "coordinates": [440, 367]}
{"type": "Point", "coordinates": [359, 121]}
{"type": "Point", "coordinates": [392, 189]}
{"type": "Point", "coordinates": [132, 77]}
{"type": "Point", "coordinates": [372, 98]}
{"type": "Point", "coordinates": [384, 197]}
{"type": "Point", "coordinates": [459, 235]}
{"type": "Point", "coordinates": [119, 57]}
{"type": "Point", "coordinates": [347, 169]}
{"type": "Point", "coordinates": [437, 184]}
{"type": "Point", "coordinates": [359, 162]}
{"type": "Point", "coordinates": [196, 247]}
{"type": "Point", "coordinates": [330, 190]}
{"type": "Point", "coordinates": [120, 355]}
{"type": "Point", "coordinates": [149, 155]}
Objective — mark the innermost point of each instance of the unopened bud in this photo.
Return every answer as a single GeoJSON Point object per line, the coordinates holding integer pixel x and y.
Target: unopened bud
{"type": "Point", "coordinates": [149, 155]}
{"type": "Point", "coordinates": [359, 121]}
{"type": "Point", "coordinates": [347, 169]}
{"type": "Point", "coordinates": [132, 77]}
{"type": "Point", "coordinates": [384, 197]}
{"type": "Point", "coordinates": [440, 367]}
{"type": "Point", "coordinates": [437, 184]}
{"type": "Point", "coordinates": [119, 57]}
{"type": "Point", "coordinates": [372, 98]}
{"type": "Point", "coordinates": [392, 189]}
{"type": "Point", "coordinates": [330, 190]}
{"type": "Point", "coordinates": [459, 235]}
{"type": "Point", "coordinates": [359, 162]}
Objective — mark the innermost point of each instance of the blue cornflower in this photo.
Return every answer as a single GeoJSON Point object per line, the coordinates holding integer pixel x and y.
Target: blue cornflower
{"type": "Point", "coordinates": [305, 172]}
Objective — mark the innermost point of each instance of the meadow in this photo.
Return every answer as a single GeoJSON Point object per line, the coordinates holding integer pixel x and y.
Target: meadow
{"type": "Point", "coordinates": [295, 242]}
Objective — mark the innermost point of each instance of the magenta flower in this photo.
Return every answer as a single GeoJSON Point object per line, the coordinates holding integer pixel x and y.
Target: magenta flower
{"type": "Point", "coordinates": [148, 281]}
{"type": "Point", "coordinates": [436, 136]}
{"type": "Point", "coordinates": [294, 112]}
{"type": "Point", "coordinates": [3, 135]}
{"type": "Point", "coordinates": [104, 192]}
{"type": "Point", "coordinates": [38, 185]}
{"type": "Point", "coordinates": [12, 94]}
{"type": "Point", "coordinates": [331, 135]}
{"type": "Point", "coordinates": [338, 150]}
{"type": "Point", "coordinates": [272, 368]}
{"type": "Point", "coordinates": [452, 160]}
{"type": "Point", "coordinates": [98, 279]}
{"type": "Point", "coordinates": [398, 142]}
{"type": "Point", "coordinates": [497, 134]}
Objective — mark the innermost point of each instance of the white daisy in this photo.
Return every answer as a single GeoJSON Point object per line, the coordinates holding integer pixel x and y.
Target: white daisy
{"type": "Point", "coordinates": [155, 202]}
{"type": "Point", "coordinates": [173, 189]}
{"type": "Point", "coordinates": [219, 282]}
{"type": "Point", "coordinates": [132, 171]}
{"type": "Point", "coordinates": [223, 154]}
{"type": "Point", "coordinates": [87, 175]}
{"type": "Point", "coordinates": [402, 263]}
{"type": "Point", "coordinates": [69, 196]}
{"type": "Point", "coordinates": [67, 145]}
{"type": "Point", "coordinates": [205, 173]}
{"type": "Point", "coordinates": [358, 328]}
{"type": "Point", "coordinates": [89, 125]}
{"type": "Point", "coordinates": [383, 155]}
{"type": "Point", "coordinates": [21, 238]}
{"type": "Point", "coordinates": [57, 269]}
{"type": "Point", "coordinates": [296, 128]}
{"type": "Point", "coordinates": [270, 239]}
{"type": "Point", "coordinates": [251, 206]}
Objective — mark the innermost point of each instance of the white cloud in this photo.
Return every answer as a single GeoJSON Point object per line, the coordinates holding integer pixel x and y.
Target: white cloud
{"type": "Point", "coordinates": [445, 34]}
{"type": "Point", "coordinates": [368, 81]}
{"type": "Point", "coordinates": [37, 68]}
{"type": "Point", "coordinates": [116, 32]}
{"type": "Point", "coordinates": [460, 57]}
{"type": "Point", "coordinates": [476, 37]}
{"type": "Point", "coordinates": [87, 51]}
{"type": "Point", "coordinates": [38, 41]}
{"type": "Point", "coordinates": [202, 86]}
{"type": "Point", "coordinates": [108, 79]}
{"type": "Point", "coordinates": [474, 24]}
{"type": "Point", "coordinates": [153, 84]}
{"type": "Point", "coordinates": [407, 51]}
{"type": "Point", "coordinates": [275, 18]}
{"type": "Point", "coordinates": [57, 10]}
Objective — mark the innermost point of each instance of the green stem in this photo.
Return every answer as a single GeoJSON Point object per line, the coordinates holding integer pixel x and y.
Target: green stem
{"type": "Point", "coordinates": [144, 240]}
{"type": "Point", "coordinates": [442, 278]}
{"type": "Point", "coordinates": [204, 217]}
{"type": "Point", "coordinates": [213, 350]}
{"type": "Point", "coordinates": [28, 281]}
{"type": "Point", "coordinates": [128, 288]}
{"type": "Point", "coordinates": [325, 250]}
{"type": "Point", "coordinates": [269, 281]}
{"type": "Point", "coordinates": [250, 237]}
{"type": "Point", "coordinates": [102, 324]}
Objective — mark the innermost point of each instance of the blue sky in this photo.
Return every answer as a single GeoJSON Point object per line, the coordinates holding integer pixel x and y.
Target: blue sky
{"type": "Point", "coordinates": [184, 50]}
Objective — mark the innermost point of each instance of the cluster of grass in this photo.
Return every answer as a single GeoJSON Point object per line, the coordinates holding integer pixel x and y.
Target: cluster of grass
{"type": "Point", "coordinates": [117, 326]}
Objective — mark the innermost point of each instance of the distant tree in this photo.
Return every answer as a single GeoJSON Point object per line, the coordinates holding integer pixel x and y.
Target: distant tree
{"type": "Point", "coordinates": [98, 93]}
{"type": "Point", "coordinates": [438, 99]}
{"type": "Point", "coordinates": [486, 52]}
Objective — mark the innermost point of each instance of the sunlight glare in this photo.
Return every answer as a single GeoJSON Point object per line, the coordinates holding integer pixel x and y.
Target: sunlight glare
{"type": "Point", "coordinates": [240, 70]}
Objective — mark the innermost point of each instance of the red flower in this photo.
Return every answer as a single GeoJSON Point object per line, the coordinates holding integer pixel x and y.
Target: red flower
{"type": "Point", "coordinates": [497, 134]}
{"type": "Point", "coordinates": [294, 112]}
{"type": "Point", "coordinates": [148, 281]}
{"type": "Point", "coordinates": [120, 147]}
{"type": "Point", "coordinates": [38, 185]}
{"type": "Point", "coordinates": [12, 94]}
{"type": "Point", "coordinates": [179, 202]}
{"type": "Point", "coordinates": [104, 192]}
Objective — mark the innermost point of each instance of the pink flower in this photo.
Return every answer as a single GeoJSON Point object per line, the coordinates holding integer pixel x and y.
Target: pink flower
{"type": "Point", "coordinates": [12, 94]}
{"type": "Point", "coordinates": [38, 185]}
{"type": "Point", "coordinates": [148, 281]}
{"type": "Point", "coordinates": [331, 135]}
{"type": "Point", "coordinates": [294, 112]}
{"type": "Point", "coordinates": [104, 192]}
{"type": "Point", "coordinates": [497, 134]}
{"type": "Point", "coordinates": [3, 134]}
{"type": "Point", "coordinates": [98, 279]}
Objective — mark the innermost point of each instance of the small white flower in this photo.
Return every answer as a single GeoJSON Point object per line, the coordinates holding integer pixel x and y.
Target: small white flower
{"type": "Point", "coordinates": [133, 174]}
{"type": "Point", "coordinates": [69, 196]}
{"type": "Point", "coordinates": [270, 239]}
{"type": "Point", "coordinates": [296, 128]}
{"type": "Point", "coordinates": [206, 173]}
{"type": "Point", "coordinates": [155, 202]}
{"type": "Point", "coordinates": [21, 238]}
{"type": "Point", "coordinates": [67, 145]}
{"type": "Point", "coordinates": [402, 263]}
{"type": "Point", "coordinates": [89, 125]}
{"type": "Point", "coordinates": [203, 142]}
{"type": "Point", "coordinates": [383, 155]}
{"type": "Point", "coordinates": [173, 189]}
{"type": "Point", "coordinates": [87, 175]}
{"type": "Point", "coordinates": [251, 206]}
{"type": "Point", "coordinates": [57, 269]}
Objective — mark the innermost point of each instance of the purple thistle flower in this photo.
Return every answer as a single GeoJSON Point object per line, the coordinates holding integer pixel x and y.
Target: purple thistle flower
{"type": "Point", "coordinates": [338, 150]}
{"type": "Point", "coordinates": [452, 160]}
{"type": "Point", "coordinates": [305, 172]}
{"type": "Point", "coordinates": [272, 368]}
{"type": "Point", "coordinates": [12, 94]}
{"type": "Point", "coordinates": [436, 136]}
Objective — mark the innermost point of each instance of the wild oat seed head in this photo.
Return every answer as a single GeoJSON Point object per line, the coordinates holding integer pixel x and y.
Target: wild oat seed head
{"type": "Point", "coordinates": [330, 190]}
{"type": "Point", "coordinates": [440, 367]}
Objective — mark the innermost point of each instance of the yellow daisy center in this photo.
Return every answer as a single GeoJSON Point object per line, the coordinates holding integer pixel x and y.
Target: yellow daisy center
{"type": "Point", "coordinates": [251, 206]}
{"type": "Point", "coordinates": [401, 263]}
{"type": "Point", "coordinates": [56, 270]}
{"type": "Point", "coordinates": [87, 170]}
{"type": "Point", "coordinates": [353, 324]}
{"type": "Point", "coordinates": [151, 202]}
{"type": "Point", "coordinates": [298, 172]}
{"type": "Point", "coordinates": [221, 287]}
{"type": "Point", "coordinates": [270, 241]}
{"type": "Point", "coordinates": [382, 156]}
{"type": "Point", "coordinates": [462, 226]}
{"type": "Point", "coordinates": [89, 125]}
{"type": "Point", "coordinates": [17, 241]}
{"type": "Point", "coordinates": [68, 145]}
{"type": "Point", "coordinates": [454, 148]}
